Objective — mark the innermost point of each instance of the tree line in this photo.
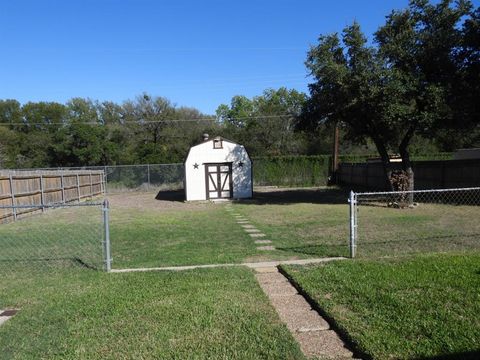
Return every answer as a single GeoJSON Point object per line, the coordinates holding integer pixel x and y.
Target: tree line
{"type": "Point", "coordinates": [148, 129]}
{"type": "Point", "coordinates": [414, 89]}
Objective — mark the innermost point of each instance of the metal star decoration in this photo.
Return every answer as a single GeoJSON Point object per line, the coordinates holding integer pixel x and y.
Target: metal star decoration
{"type": "Point", "coordinates": [240, 164]}
{"type": "Point", "coordinates": [195, 166]}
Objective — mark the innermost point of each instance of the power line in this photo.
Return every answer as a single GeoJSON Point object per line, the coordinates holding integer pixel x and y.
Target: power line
{"type": "Point", "coordinates": [142, 122]}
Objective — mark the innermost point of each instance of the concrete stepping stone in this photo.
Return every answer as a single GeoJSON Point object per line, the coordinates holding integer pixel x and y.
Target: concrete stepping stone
{"type": "Point", "coordinates": [292, 302]}
{"type": "Point", "coordinates": [310, 330]}
{"type": "Point", "coordinates": [242, 221]}
{"type": "Point", "coordinates": [255, 235]}
{"type": "Point", "coordinates": [266, 269]}
{"type": "Point", "coordinates": [263, 241]}
{"type": "Point", "coordinates": [248, 226]}
{"type": "Point", "coordinates": [271, 277]}
{"type": "Point", "coordinates": [252, 231]}
{"type": "Point", "coordinates": [6, 315]}
{"type": "Point", "coordinates": [323, 344]}
{"type": "Point", "coordinates": [278, 289]}
{"type": "Point", "coordinates": [266, 248]}
{"type": "Point", "coordinates": [301, 320]}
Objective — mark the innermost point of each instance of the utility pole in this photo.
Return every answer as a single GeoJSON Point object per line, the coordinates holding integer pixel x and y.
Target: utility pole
{"type": "Point", "coordinates": [334, 168]}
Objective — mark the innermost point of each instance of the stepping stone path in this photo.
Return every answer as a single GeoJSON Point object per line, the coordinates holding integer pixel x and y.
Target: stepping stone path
{"type": "Point", "coordinates": [263, 241]}
{"type": "Point", "coordinates": [311, 331]}
{"type": "Point", "coordinates": [266, 248]}
{"type": "Point", "coordinates": [250, 230]}
{"type": "Point", "coordinates": [257, 235]}
{"type": "Point", "coordinates": [6, 314]}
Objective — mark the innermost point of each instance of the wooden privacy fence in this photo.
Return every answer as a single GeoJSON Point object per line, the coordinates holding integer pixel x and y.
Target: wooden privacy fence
{"type": "Point", "coordinates": [37, 188]}
{"type": "Point", "coordinates": [438, 174]}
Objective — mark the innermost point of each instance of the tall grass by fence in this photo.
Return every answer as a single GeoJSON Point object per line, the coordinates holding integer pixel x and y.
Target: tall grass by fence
{"type": "Point", "coordinates": [291, 171]}
{"type": "Point", "coordinates": [39, 188]}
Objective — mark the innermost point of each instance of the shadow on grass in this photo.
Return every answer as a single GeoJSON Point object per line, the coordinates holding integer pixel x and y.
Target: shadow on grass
{"type": "Point", "coordinates": [324, 250]}
{"type": "Point", "coordinates": [294, 196]}
{"type": "Point", "coordinates": [171, 195]}
{"type": "Point", "coordinates": [47, 263]}
{"type": "Point", "coordinates": [469, 355]}
{"type": "Point", "coordinates": [426, 239]}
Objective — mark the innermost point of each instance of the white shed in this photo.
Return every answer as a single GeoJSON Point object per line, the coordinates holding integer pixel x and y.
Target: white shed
{"type": "Point", "coordinates": [218, 169]}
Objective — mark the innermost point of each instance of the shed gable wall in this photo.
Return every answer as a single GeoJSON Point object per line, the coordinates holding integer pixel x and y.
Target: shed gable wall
{"type": "Point", "coordinates": [204, 153]}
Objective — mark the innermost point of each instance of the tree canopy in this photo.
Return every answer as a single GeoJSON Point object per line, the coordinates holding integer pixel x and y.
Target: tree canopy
{"type": "Point", "coordinates": [410, 82]}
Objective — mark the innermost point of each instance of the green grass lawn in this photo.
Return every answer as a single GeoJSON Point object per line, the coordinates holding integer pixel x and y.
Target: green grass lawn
{"type": "Point", "coordinates": [145, 232]}
{"type": "Point", "coordinates": [315, 223]}
{"type": "Point", "coordinates": [208, 235]}
{"type": "Point", "coordinates": [302, 230]}
{"type": "Point", "coordinates": [410, 308]}
{"type": "Point", "coordinates": [57, 238]}
{"type": "Point", "coordinates": [217, 314]}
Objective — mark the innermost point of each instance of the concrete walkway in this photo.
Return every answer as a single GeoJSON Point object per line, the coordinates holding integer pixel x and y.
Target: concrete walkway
{"type": "Point", "coordinates": [311, 331]}
{"type": "Point", "coordinates": [252, 265]}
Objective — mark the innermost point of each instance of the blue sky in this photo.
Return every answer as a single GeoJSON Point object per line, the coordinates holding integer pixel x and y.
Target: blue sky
{"type": "Point", "coordinates": [196, 53]}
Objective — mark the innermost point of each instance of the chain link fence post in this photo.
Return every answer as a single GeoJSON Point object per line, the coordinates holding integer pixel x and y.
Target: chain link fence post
{"type": "Point", "coordinates": [106, 242]}
{"type": "Point", "coordinates": [148, 176]}
{"type": "Point", "coordinates": [353, 223]}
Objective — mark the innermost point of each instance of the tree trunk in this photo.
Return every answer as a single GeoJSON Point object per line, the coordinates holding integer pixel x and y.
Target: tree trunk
{"type": "Point", "coordinates": [334, 163]}
{"type": "Point", "coordinates": [406, 163]}
{"type": "Point", "coordinates": [387, 166]}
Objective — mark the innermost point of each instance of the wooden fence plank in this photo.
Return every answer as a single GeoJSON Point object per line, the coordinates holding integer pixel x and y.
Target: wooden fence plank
{"type": "Point", "coordinates": [38, 188]}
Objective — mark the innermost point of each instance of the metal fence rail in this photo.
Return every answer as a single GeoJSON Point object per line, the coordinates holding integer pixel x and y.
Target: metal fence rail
{"type": "Point", "coordinates": [63, 236]}
{"type": "Point", "coordinates": [421, 221]}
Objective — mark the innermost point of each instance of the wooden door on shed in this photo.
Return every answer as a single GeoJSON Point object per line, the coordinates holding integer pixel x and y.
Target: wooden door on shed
{"type": "Point", "coordinates": [218, 180]}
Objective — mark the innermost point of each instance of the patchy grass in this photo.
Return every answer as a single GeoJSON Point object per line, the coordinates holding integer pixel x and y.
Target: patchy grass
{"type": "Point", "coordinates": [421, 307]}
{"type": "Point", "coordinates": [220, 313]}
{"type": "Point", "coordinates": [301, 223]}
{"type": "Point", "coordinates": [59, 237]}
{"type": "Point", "coordinates": [179, 237]}
{"type": "Point", "coordinates": [315, 222]}
{"type": "Point", "coordinates": [425, 228]}
{"type": "Point", "coordinates": [302, 230]}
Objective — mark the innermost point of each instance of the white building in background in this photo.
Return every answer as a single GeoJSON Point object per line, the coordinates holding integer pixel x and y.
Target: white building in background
{"type": "Point", "coordinates": [218, 169]}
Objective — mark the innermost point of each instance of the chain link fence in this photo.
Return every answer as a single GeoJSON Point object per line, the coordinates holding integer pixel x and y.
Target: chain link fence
{"type": "Point", "coordinates": [422, 221]}
{"type": "Point", "coordinates": [288, 171]}
{"type": "Point", "coordinates": [55, 237]}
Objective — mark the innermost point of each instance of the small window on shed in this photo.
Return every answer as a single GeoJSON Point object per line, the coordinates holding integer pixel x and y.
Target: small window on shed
{"type": "Point", "coordinates": [217, 144]}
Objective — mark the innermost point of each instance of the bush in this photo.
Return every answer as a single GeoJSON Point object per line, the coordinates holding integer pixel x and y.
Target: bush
{"type": "Point", "coordinates": [291, 170]}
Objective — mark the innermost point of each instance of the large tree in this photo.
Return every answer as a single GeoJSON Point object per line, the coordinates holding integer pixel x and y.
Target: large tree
{"type": "Point", "coordinates": [394, 90]}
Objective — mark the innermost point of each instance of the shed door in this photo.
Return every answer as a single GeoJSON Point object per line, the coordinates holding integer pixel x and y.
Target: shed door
{"type": "Point", "coordinates": [218, 180]}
